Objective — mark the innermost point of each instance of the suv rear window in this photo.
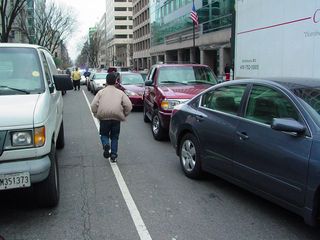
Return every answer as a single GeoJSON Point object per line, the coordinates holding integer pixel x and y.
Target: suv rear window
{"type": "Point", "coordinates": [186, 75]}
{"type": "Point", "coordinates": [20, 71]}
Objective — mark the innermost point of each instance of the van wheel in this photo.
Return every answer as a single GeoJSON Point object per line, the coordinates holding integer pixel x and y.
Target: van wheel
{"type": "Point", "coordinates": [157, 130]}
{"type": "Point", "coordinates": [60, 140]}
{"type": "Point", "coordinates": [145, 117]}
{"type": "Point", "coordinates": [189, 153]}
{"type": "Point", "coordinates": [47, 192]}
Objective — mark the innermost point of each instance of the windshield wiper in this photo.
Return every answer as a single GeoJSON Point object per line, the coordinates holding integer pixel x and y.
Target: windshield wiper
{"type": "Point", "coordinates": [15, 89]}
{"type": "Point", "coordinates": [202, 81]}
{"type": "Point", "coordinates": [173, 82]}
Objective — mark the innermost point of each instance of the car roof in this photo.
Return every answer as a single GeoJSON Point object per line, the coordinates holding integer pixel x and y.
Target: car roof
{"type": "Point", "coordinates": [180, 65]}
{"type": "Point", "coordinates": [290, 83]}
{"type": "Point", "coordinates": [20, 45]}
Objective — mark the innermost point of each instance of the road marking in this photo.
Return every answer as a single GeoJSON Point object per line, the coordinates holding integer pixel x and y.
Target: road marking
{"type": "Point", "coordinates": [134, 212]}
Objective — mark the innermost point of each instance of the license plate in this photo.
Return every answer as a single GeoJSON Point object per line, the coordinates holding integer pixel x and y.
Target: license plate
{"type": "Point", "coordinates": [16, 180]}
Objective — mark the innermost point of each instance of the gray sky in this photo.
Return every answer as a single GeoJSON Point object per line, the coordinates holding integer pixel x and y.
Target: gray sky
{"type": "Point", "coordinates": [89, 13]}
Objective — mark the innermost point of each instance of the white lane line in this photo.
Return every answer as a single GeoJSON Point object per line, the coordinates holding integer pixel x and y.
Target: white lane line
{"type": "Point", "coordinates": [134, 212]}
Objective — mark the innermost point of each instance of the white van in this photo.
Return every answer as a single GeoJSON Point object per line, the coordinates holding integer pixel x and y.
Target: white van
{"type": "Point", "coordinates": [31, 123]}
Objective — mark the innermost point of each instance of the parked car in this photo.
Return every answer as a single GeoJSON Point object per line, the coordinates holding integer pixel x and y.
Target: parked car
{"type": "Point", "coordinates": [133, 85]}
{"type": "Point", "coordinates": [88, 80]}
{"type": "Point", "coordinates": [83, 80]}
{"type": "Point", "coordinates": [31, 122]}
{"type": "Point", "coordinates": [98, 81]}
{"type": "Point", "coordinates": [262, 135]}
{"type": "Point", "coordinates": [168, 85]}
{"type": "Point", "coordinates": [118, 69]}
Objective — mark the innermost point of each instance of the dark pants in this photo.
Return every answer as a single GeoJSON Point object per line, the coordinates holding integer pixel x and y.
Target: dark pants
{"type": "Point", "coordinates": [110, 129]}
{"type": "Point", "coordinates": [76, 83]}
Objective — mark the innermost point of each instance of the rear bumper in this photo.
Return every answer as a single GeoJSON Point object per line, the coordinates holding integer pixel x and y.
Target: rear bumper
{"type": "Point", "coordinates": [137, 101]}
{"type": "Point", "coordinates": [38, 168]}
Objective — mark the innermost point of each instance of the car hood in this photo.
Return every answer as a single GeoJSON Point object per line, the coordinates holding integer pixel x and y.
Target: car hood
{"type": "Point", "coordinates": [139, 89]}
{"type": "Point", "coordinates": [100, 81]}
{"type": "Point", "coordinates": [17, 110]}
{"type": "Point", "coordinates": [183, 91]}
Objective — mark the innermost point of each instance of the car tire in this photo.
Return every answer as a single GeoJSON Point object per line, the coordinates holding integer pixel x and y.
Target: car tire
{"type": "Point", "coordinates": [157, 130]}
{"type": "Point", "coordinates": [145, 117]}
{"type": "Point", "coordinates": [60, 139]}
{"type": "Point", "coordinates": [47, 192]}
{"type": "Point", "coordinates": [189, 153]}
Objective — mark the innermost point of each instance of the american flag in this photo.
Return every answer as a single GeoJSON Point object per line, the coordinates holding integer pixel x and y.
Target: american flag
{"type": "Point", "coordinates": [194, 16]}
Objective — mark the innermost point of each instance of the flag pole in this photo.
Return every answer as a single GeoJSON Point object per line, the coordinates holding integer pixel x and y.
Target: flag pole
{"type": "Point", "coordinates": [194, 41]}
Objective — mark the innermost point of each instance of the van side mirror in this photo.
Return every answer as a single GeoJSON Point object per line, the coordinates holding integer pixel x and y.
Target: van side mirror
{"type": "Point", "coordinates": [62, 82]}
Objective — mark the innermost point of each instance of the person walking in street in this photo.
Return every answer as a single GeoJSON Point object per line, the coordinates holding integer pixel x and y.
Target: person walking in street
{"type": "Point", "coordinates": [76, 76]}
{"type": "Point", "coordinates": [110, 106]}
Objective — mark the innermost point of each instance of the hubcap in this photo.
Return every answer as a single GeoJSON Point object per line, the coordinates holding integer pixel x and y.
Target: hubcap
{"type": "Point", "coordinates": [188, 155]}
{"type": "Point", "coordinates": [155, 124]}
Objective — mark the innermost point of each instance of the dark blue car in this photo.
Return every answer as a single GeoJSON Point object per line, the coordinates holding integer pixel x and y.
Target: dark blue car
{"type": "Point", "coordinates": [263, 135]}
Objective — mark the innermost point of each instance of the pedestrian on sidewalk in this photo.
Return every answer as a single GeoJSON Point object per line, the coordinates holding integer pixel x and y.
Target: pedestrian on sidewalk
{"type": "Point", "coordinates": [76, 77]}
{"type": "Point", "coordinates": [110, 106]}
{"type": "Point", "coordinates": [227, 71]}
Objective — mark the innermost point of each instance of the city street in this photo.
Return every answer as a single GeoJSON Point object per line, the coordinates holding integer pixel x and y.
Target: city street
{"type": "Point", "coordinates": [161, 203]}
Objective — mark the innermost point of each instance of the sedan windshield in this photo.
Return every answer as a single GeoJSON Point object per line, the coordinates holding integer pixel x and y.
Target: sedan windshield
{"type": "Point", "coordinates": [101, 76]}
{"type": "Point", "coordinates": [20, 71]}
{"type": "Point", "coordinates": [186, 75]}
{"type": "Point", "coordinates": [131, 79]}
{"type": "Point", "coordinates": [310, 98]}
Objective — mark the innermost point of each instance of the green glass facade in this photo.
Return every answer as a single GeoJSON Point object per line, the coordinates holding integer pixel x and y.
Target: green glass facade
{"type": "Point", "coordinates": [172, 16]}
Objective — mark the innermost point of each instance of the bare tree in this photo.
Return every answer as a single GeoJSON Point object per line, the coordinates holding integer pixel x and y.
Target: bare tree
{"type": "Point", "coordinates": [52, 25]}
{"type": "Point", "coordinates": [95, 43]}
{"type": "Point", "coordinates": [9, 10]}
{"type": "Point", "coordinates": [90, 51]}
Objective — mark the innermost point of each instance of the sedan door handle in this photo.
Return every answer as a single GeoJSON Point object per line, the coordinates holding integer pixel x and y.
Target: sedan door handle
{"type": "Point", "coordinates": [242, 135]}
{"type": "Point", "coordinates": [199, 118]}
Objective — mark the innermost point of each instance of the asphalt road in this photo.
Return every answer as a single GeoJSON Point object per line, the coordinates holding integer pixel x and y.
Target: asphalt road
{"type": "Point", "coordinates": [171, 206]}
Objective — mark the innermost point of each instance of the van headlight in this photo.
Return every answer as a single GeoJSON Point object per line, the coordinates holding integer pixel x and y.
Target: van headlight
{"type": "Point", "coordinates": [21, 139]}
{"type": "Point", "coordinates": [25, 138]}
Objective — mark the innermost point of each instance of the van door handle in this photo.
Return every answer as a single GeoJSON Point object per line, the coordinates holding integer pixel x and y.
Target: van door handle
{"type": "Point", "coordinates": [242, 135]}
{"type": "Point", "coordinates": [199, 118]}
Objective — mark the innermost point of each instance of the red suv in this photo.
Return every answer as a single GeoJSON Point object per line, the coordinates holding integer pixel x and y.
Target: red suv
{"type": "Point", "coordinates": [168, 85]}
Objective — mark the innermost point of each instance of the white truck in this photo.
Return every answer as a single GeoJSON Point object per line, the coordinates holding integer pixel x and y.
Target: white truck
{"type": "Point", "coordinates": [277, 39]}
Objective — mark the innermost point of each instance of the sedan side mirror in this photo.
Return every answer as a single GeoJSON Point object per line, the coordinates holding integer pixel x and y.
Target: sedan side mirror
{"type": "Point", "coordinates": [287, 125]}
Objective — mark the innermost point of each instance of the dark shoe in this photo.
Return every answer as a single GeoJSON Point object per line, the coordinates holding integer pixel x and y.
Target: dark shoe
{"type": "Point", "coordinates": [114, 157]}
{"type": "Point", "coordinates": [106, 149]}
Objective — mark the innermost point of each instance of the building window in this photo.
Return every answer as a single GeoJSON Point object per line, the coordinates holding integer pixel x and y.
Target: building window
{"type": "Point", "coordinates": [120, 18]}
{"type": "Point", "coordinates": [120, 27]}
{"type": "Point", "coordinates": [120, 9]}
{"type": "Point", "coordinates": [120, 36]}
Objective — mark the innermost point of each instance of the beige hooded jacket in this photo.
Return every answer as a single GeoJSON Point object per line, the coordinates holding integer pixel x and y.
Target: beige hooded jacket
{"type": "Point", "coordinates": [111, 103]}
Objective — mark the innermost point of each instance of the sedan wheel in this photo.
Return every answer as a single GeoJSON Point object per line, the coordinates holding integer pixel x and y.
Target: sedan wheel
{"type": "Point", "coordinates": [190, 156]}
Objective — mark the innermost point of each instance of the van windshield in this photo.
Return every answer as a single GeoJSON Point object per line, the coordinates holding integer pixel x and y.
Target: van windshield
{"type": "Point", "coordinates": [20, 71]}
